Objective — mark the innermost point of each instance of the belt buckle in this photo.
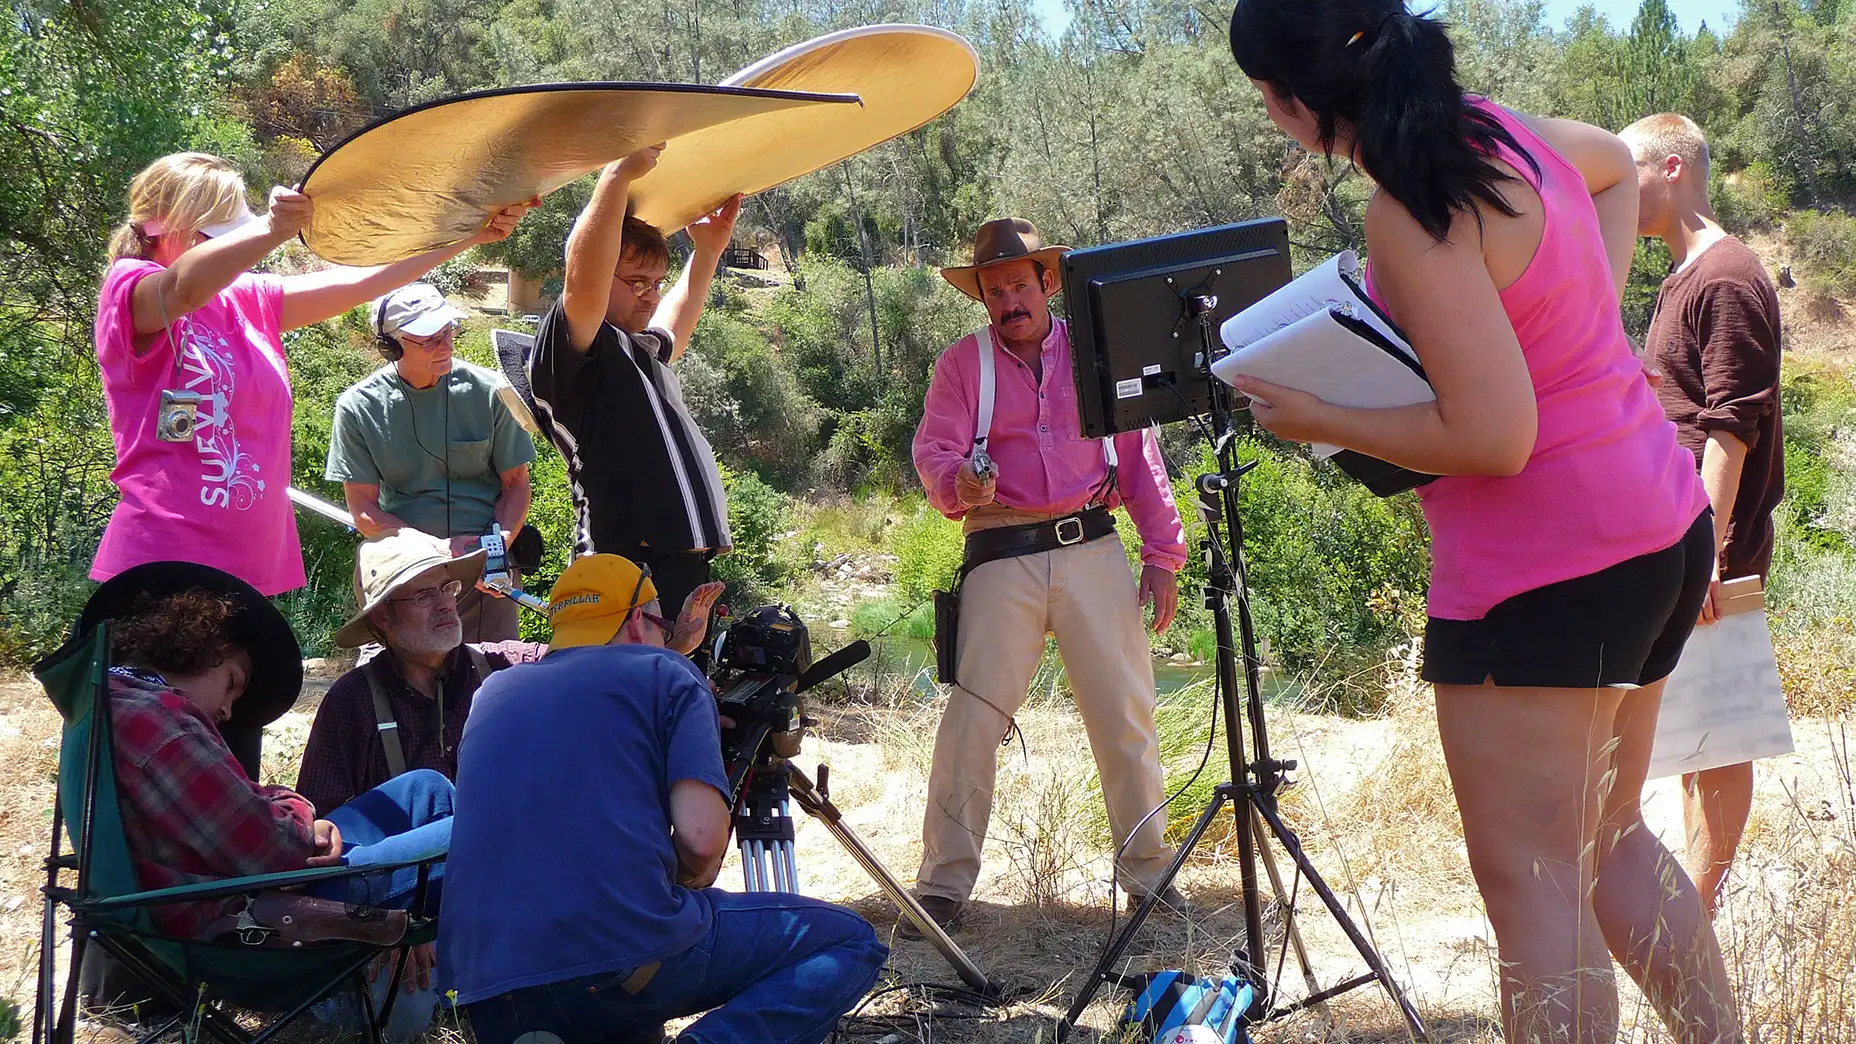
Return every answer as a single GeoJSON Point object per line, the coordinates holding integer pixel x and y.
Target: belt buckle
{"type": "Point", "coordinates": [1064, 540]}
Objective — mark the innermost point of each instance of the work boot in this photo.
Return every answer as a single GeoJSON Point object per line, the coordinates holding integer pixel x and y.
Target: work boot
{"type": "Point", "coordinates": [1170, 900]}
{"type": "Point", "coordinates": [946, 913]}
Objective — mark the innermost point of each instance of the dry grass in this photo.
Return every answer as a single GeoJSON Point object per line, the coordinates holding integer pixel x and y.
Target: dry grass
{"type": "Point", "coordinates": [1372, 803]}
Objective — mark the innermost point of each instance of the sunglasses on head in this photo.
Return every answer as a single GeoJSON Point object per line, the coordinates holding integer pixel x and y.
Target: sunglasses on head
{"type": "Point", "coordinates": [644, 573]}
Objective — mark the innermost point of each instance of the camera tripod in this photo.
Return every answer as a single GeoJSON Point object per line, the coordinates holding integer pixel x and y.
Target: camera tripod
{"type": "Point", "coordinates": [765, 786]}
{"type": "Point", "coordinates": [1255, 783]}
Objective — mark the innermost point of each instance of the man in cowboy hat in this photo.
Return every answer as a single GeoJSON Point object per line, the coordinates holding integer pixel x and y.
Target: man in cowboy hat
{"type": "Point", "coordinates": [596, 818]}
{"type": "Point", "coordinates": [1000, 448]}
{"type": "Point", "coordinates": [405, 708]}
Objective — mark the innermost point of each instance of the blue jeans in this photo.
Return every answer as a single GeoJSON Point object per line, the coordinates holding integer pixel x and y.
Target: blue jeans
{"type": "Point", "coordinates": [406, 817]}
{"type": "Point", "coordinates": [773, 969]}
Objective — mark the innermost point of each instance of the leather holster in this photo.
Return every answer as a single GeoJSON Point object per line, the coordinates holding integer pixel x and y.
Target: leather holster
{"type": "Point", "coordinates": [287, 920]}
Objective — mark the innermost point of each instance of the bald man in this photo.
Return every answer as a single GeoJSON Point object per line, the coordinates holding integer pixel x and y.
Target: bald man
{"type": "Point", "coordinates": [1715, 336]}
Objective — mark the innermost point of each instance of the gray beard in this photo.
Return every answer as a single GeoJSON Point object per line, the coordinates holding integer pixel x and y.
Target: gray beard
{"type": "Point", "coordinates": [432, 641]}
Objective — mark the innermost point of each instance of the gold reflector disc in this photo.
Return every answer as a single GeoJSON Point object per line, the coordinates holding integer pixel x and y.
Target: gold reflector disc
{"type": "Point", "coordinates": [905, 74]}
{"type": "Point", "coordinates": [432, 175]}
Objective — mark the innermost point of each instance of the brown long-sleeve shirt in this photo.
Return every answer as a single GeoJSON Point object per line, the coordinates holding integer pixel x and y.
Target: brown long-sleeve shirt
{"type": "Point", "coordinates": [1715, 335]}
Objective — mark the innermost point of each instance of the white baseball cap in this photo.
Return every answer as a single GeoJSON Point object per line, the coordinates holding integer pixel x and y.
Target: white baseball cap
{"type": "Point", "coordinates": [417, 309]}
{"type": "Point", "coordinates": [155, 226]}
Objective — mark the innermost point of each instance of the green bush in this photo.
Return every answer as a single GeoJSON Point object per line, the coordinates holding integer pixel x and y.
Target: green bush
{"type": "Point", "coordinates": [55, 498]}
{"type": "Point", "coordinates": [1337, 575]}
{"type": "Point", "coordinates": [453, 276]}
{"type": "Point", "coordinates": [757, 515]}
{"type": "Point", "coordinates": [748, 403]}
{"type": "Point", "coordinates": [1749, 201]}
{"type": "Point", "coordinates": [10, 1023]}
{"type": "Point", "coordinates": [1818, 409]}
{"type": "Point", "coordinates": [884, 617]}
{"type": "Point", "coordinates": [1811, 593]}
{"type": "Point", "coordinates": [928, 550]}
{"type": "Point", "coordinates": [1824, 244]}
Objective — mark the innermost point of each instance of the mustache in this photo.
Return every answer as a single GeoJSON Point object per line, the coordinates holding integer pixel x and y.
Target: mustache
{"type": "Point", "coordinates": [1016, 313]}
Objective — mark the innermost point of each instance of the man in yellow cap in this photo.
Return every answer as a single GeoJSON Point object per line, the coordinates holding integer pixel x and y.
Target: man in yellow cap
{"type": "Point", "coordinates": [578, 894]}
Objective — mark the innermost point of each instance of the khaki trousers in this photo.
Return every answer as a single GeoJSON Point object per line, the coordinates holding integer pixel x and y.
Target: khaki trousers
{"type": "Point", "coordinates": [1086, 596]}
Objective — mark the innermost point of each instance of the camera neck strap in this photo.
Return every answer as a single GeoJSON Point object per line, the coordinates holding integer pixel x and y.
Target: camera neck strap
{"type": "Point", "coordinates": [989, 388]}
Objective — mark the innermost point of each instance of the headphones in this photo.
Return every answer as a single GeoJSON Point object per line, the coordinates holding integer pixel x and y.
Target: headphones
{"type": "Point", "coordinates": [389, 347]}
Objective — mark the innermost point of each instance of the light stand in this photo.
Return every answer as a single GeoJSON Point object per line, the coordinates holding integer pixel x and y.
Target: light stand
{"type": "Point", "coordinates": [1255, 783]}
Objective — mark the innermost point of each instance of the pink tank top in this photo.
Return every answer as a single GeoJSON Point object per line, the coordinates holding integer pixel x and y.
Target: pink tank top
{"type": "Point", "coordinates": [1607, 480]}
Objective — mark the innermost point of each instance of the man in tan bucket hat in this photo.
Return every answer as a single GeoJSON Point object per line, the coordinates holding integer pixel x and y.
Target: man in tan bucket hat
{"type": "Point", "coordinates": [1000, 448]}
{"type": "Point", "coordinates": [403, 709]}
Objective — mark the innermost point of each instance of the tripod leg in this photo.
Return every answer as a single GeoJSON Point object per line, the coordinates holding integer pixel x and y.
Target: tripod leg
{"type": "Point", "coordinates": [1293, 845]}
{"type": "Point", "coordinates": [1290, 926]}
{"type": "Point", "coordinates": [750, 866]}
{"type": "Point", "coordinates": [825, 812]}
{"type": "Point", "coordinates": [789, 864]}
{"type": "Point", "coordinates": [786, 869]}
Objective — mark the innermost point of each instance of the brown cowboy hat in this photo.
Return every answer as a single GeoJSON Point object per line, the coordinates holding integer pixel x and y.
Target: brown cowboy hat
{"type": "Point", "coordinates": [1000, 242]}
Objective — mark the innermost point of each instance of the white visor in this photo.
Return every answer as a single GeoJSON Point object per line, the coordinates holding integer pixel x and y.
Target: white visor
{"type": "Point", "coordinates": [155, 226]}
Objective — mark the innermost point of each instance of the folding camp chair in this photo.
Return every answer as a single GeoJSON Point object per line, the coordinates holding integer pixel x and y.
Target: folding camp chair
{"type": "Point", "coordinates": [108, 909]}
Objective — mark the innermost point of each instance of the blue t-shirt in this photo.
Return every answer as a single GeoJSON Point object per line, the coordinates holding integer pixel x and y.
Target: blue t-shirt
{"type": "Point", "coordinates": [561, 861]}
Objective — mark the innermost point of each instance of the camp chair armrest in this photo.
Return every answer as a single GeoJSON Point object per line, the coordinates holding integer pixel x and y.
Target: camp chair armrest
{"type": "Point", "coordinates": [244, 885]}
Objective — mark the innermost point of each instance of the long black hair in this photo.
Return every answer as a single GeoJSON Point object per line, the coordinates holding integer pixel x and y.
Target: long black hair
{"type": "Point", "coordinates": [1390, 76]}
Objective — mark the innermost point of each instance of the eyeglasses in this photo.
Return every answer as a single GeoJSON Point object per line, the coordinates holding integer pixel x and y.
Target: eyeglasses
{"type": "Point", "coordinates": [659, 622]}
{"type": "Point", "coordinates": [427, 598]}
{"type": "Point", "coordinates": [642, 287]}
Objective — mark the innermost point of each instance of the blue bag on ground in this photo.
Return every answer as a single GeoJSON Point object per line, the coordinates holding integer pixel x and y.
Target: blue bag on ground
{"type": "Point", "coordinates": [1170, 1001]}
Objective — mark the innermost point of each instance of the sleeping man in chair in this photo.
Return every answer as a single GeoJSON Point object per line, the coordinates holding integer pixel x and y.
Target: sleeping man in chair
{"type": "Point", "coordinates": [188, 643]}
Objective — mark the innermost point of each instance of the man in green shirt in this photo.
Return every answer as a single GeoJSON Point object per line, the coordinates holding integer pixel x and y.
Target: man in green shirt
{"type": "Point", "coordinates": [424, 443]}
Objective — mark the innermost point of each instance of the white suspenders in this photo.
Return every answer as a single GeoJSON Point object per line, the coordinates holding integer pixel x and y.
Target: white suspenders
{"type": "Point", "coordinates": [982, 419]}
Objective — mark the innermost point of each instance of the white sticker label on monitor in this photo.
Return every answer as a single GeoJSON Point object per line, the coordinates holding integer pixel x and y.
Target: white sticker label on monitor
{"type": "Point", "coordinates": [1128, 389]}
{"type": "Point", "coordinates": [1151, 371]}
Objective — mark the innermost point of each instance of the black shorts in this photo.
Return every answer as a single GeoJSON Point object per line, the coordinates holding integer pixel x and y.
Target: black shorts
{"type": "Point", "coordinates": [1622, 626]}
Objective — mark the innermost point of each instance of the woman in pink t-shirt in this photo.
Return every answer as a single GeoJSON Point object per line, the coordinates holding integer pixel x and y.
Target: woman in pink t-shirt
{"type": "Point", "coordinates": [188, 339]}
{"type": "Point", "coordinates": [1571, 544]}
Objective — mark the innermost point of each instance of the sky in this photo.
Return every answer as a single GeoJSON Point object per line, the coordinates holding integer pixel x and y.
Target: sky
{"type": "Point", "coordinates": [1719, 14]}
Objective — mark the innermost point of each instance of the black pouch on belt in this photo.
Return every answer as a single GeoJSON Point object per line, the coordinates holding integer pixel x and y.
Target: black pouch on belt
{"type": "Point", "coordinates": [946, 631]}
{"type": "Point", "coordinates": [991, 545]}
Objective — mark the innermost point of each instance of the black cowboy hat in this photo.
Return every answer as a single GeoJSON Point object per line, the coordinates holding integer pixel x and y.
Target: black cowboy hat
{"type": "Point", "coordinates": [276, 658]}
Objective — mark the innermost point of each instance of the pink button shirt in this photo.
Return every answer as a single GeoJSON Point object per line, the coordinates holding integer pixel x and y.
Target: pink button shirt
{"type": "Point", "coordinates": [1045, 464]}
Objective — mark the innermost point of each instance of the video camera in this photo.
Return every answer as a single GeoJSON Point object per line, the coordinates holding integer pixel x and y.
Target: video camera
{"type": "Point", "coordinates": [763, 662]}
{"type": "Point", "coordinates": [759, 660]}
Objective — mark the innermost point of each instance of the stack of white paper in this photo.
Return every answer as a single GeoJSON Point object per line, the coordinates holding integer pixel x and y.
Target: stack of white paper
{"type": "Point", "coordinates": [1320, 334]}
{"type": "Point", "coordinates": [1724, 704]}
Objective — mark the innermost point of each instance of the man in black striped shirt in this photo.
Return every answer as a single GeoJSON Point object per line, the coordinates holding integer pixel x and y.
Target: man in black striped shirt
{"type": "Point", "coordinates": [645, 482]}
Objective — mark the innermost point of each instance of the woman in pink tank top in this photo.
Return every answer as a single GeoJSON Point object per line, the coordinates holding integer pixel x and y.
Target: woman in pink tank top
{"type": "Point", "coordinates": [1571, 544]}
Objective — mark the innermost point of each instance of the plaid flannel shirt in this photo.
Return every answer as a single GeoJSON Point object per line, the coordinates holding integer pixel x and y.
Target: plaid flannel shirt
{"type": "Point", "coordinates": [189, 811]}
